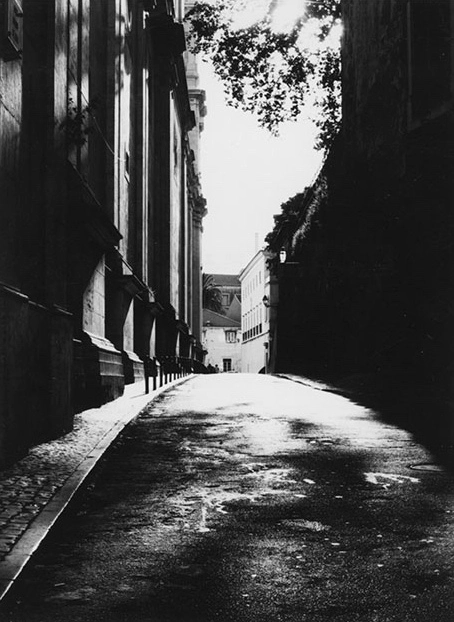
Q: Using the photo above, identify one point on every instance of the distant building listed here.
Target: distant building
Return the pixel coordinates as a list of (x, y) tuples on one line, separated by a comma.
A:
[(222, 340), (230, 288), (257, 314), (222, 331)]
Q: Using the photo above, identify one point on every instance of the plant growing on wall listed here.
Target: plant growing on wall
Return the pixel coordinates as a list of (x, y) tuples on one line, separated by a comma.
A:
[(77, 123)]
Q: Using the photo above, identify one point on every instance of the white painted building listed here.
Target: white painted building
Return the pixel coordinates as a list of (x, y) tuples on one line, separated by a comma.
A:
[(255, 316), (222, 341)]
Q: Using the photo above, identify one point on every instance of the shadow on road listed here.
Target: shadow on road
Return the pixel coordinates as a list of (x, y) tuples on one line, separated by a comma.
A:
[(181, 524), (398, 400)]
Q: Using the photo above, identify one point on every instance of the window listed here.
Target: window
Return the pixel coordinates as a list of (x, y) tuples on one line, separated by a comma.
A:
[(225, 300), (230, 336), (227, 364)]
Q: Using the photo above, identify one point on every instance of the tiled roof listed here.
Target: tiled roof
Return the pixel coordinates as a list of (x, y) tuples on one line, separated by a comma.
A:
[(226, 280), (234, 311), (211, 318)]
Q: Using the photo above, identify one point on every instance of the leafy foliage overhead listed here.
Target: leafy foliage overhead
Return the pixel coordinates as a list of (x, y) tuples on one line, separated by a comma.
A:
[(271, 72)]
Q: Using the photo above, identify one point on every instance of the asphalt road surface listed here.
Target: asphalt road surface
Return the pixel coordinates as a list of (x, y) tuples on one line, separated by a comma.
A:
[(250, 498)]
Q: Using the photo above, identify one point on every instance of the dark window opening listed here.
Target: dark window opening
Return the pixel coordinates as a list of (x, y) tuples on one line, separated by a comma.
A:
[(230, 336)]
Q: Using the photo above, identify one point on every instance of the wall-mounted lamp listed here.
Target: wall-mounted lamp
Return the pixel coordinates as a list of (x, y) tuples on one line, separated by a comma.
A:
[(266, 301), (282, 255)]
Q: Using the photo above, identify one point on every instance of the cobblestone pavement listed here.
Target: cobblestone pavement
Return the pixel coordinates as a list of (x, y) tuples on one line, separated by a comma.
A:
[(28, 486)]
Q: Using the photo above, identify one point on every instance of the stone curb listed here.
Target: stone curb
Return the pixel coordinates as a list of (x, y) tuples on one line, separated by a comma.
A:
[(312, 384), (16, 560), (318, 386)]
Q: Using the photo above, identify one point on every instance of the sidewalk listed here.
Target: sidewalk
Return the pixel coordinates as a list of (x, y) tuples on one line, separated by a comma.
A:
[(36, 490)]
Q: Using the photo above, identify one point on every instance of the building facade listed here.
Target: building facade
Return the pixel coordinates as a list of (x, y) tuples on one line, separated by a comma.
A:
[(101, 210), (230, 290), (222, 342), (257, 314), (222, 330)]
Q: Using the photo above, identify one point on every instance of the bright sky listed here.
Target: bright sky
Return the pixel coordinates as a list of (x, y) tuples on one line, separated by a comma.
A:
[(246, 172), (246, 175)]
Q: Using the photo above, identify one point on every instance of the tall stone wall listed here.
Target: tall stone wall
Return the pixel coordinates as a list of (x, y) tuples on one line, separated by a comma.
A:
[(369, 294)]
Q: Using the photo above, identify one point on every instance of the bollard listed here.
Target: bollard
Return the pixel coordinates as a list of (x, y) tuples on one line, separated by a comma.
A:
[(146, 371)]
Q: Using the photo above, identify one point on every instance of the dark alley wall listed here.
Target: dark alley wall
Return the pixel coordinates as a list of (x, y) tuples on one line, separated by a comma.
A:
[(368, 284)]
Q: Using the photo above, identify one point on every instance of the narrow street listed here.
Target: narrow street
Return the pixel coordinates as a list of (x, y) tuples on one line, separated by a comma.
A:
[(251, 498)]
